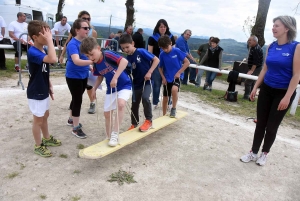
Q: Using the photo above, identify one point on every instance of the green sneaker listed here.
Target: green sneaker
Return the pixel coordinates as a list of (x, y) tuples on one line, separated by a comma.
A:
[(52, 142), (42, 150)]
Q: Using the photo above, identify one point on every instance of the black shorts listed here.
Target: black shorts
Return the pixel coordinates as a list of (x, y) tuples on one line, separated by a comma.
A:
[(54, 42), (168, 87)]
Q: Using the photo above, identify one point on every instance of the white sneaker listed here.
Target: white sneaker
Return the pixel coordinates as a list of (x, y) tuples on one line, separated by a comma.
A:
[(262, 159), (249, 157), (154, 107), (114, 139)]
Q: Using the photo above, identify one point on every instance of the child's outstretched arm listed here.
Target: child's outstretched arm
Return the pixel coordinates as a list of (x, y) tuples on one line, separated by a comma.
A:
[(155, 62), (96, 85), (185, 64), (51, 56), (122, 65)]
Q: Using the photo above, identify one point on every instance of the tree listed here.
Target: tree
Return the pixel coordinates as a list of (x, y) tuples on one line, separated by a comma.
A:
[(129, 13), (260, 22)]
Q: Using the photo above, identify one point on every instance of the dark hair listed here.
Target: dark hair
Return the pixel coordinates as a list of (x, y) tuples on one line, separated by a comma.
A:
[(76, 25), (120, 31), (215, 40), (125, 38), (64, 17), (211, 38), (140, 30), (88, 44), (35, 27), (83, 12), (19, 14), (164, 41), (164, 22)]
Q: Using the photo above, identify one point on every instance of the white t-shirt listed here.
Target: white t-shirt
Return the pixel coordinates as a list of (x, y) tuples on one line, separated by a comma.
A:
[(61, 29), (2, 24), (18, 28)]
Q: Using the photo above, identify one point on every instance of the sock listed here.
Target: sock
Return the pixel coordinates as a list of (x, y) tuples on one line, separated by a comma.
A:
[(16, 65)]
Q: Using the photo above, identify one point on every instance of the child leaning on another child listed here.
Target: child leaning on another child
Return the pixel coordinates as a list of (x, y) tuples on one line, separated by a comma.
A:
[(143, 64), (117, 81), (39, 85), (172, 63)]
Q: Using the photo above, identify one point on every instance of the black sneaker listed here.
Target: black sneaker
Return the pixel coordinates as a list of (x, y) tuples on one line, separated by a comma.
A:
[(193, 82), (79, 133)]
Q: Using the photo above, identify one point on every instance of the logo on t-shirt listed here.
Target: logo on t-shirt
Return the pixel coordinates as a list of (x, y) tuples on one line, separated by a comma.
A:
[(175, 56), (277, 48), (138, 59), (285, 54), (44, 68)]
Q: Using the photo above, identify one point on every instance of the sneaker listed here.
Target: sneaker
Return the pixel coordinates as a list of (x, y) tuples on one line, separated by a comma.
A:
[(132, 127), (26, 67), (51, 142), (193, 81), (92, 109), (42, 150), (17, 68), (249, 157), (173, 113), (205, 87), (79, 133), (262, 159), (70, 123), (154, 107), (146, 126), (3, 68), (114, 139)]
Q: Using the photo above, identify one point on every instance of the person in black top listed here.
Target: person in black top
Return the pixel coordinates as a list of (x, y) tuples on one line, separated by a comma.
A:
[(255, 62), (138, 39)]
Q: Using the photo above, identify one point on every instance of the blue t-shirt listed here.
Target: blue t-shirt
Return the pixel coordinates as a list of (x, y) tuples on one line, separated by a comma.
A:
[(72, 70), (103, 68), (38, 85), (171, 63), (181, 43), (280, 65), (141, 61)]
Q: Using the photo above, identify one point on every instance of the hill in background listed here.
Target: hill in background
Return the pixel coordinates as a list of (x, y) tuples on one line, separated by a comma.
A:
[(233, 50)]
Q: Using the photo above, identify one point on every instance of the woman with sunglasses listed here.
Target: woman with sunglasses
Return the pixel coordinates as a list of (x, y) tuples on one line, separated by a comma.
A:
[(92, 33), (77, 72)]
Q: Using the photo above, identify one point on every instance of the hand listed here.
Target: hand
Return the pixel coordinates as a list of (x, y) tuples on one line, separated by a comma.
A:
[(253, 94), (177, 76), (113, 83), (61, 59), (249, 72), (91, 68), (47, 35), (284, 103), (51, 92), (59, 47), (148, 76), (164, 81)]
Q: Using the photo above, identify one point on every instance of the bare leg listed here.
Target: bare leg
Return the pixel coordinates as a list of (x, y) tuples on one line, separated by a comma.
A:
[(121, 111), (44, 126), (174, 96), (165, 104), (108, 122), (75, 121), (89, 92), (17, 60), (36, 129)]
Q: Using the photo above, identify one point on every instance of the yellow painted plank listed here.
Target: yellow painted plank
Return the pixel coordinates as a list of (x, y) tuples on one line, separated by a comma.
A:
[(102, 148)]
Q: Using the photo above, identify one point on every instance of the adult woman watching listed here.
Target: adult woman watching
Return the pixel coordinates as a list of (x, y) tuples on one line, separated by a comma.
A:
[(77, 72), (278, 81), (160, 29)]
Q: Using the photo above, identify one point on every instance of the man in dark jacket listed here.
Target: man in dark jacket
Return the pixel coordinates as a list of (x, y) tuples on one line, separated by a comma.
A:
[(138, 39)]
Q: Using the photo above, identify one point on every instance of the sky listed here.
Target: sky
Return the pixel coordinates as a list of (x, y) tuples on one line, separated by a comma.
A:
[(219, 18)]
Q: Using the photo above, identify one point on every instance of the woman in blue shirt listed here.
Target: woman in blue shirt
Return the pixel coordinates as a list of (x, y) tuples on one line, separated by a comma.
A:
[(278, 81)]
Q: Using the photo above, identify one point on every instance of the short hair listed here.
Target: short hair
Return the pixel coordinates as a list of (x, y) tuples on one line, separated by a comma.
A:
[(35, 27), (77, 25), (290, 23), (19, 14), (120, 31), (187, 31), (210, 38), (125, 38), (164, 41), (254, 38), (215, 40), (140, 30), (88, 44), (64, 17)]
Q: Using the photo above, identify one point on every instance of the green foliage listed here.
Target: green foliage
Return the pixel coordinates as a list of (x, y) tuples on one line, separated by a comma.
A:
[(80, 146), (248, 25), (12, 175), (122, 176), (43, 196), (10, 65), (63, 155)]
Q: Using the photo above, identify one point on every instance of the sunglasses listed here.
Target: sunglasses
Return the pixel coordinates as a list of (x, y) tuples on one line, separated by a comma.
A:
[(86, 18), (85, 28)]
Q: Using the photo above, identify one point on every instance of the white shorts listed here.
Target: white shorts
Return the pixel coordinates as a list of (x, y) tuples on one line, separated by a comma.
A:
[(92, 80), (110, 99), (39, 107)]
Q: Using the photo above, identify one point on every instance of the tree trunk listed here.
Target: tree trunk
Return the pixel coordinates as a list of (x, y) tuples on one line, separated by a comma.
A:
[(129, 13), (60, 7), (260, 23)]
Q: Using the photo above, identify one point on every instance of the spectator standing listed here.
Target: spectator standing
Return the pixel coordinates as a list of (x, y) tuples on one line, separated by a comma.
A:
[(255, 62), (161, 28), (129, 30), (60, 28), (2, 53), (278, 81), (213, 59), (138, 39), (107, 42), (201, 52), (181, 43), (15, 29)]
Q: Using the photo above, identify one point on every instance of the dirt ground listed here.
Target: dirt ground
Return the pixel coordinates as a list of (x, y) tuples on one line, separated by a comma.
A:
[(196, 158)]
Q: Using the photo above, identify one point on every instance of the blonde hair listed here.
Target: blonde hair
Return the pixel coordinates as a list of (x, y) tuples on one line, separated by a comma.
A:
[(289, 23)]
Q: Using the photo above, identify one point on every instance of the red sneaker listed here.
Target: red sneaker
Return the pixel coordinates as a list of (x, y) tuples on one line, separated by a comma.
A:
[(131, 127), (146, 126), (17, 68)]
